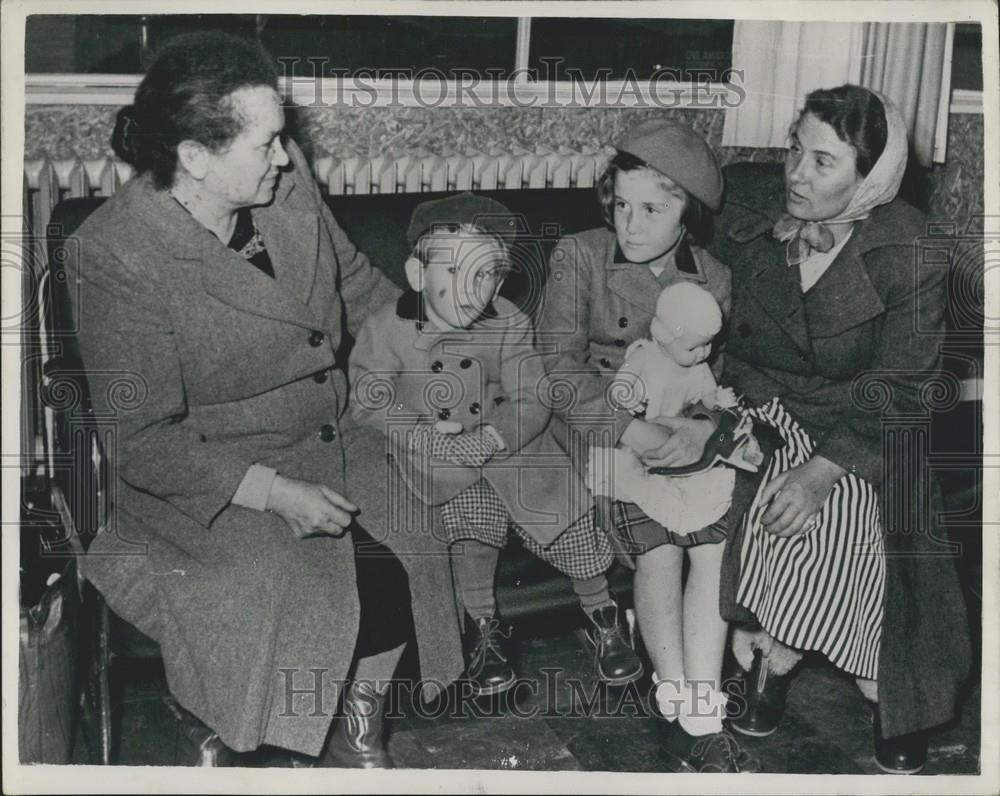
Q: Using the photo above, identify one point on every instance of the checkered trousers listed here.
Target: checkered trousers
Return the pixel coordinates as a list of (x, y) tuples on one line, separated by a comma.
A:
[(582, 551)]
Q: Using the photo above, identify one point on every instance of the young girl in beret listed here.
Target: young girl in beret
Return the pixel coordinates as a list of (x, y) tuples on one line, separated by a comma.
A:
[(656, 194)]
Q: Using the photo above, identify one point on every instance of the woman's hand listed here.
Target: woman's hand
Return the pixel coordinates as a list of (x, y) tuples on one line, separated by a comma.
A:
[(309, 509), (684, 445), (797, 495)]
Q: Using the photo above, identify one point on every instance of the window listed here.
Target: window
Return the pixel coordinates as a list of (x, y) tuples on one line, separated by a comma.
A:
[(967, 57), (591, 49), (114, 44), (617, 49)]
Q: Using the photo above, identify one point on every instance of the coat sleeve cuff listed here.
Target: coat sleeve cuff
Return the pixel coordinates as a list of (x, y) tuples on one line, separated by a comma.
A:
[(255, 488), (493, 433), (853, 453)]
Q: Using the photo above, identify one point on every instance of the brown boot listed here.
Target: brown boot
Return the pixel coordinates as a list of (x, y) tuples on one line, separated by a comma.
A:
[(357, 739)]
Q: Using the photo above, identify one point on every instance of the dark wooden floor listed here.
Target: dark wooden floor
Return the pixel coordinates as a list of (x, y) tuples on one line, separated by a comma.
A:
[(827, 728)]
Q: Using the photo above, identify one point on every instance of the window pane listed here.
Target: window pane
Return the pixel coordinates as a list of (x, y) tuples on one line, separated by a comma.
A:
[(617, 48), (371, 43), (112, 43), (967, 57), (123, 44)]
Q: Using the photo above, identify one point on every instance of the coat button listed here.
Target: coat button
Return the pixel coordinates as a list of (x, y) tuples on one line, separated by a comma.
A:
[(444, 414), (327, 433), (605, 362), (474, 408), (320, 377), (623, 322), (620, 343), (437, 366), (316, 338), (465, 364)]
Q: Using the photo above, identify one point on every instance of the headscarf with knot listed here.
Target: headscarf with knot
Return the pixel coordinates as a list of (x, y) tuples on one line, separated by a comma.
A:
[(879, 187)]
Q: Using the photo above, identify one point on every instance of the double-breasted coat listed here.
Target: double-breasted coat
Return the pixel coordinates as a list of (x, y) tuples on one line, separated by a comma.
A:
[(856, 360), (200, 366), (405, 372), (596, 304)]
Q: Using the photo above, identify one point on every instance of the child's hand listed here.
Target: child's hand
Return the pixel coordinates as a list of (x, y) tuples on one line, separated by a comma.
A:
[(471, 448), (725, 398), (683, 446), (448, 427)]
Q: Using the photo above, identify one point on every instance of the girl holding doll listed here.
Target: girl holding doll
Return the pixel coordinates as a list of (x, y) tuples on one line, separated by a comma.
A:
[(656, 194)]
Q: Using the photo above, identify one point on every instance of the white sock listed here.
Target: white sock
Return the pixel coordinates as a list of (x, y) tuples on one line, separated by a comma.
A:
[(671, 697), (704, 709)]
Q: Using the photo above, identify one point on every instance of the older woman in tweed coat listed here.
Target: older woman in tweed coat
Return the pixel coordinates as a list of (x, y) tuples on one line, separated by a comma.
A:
[(239, 472)]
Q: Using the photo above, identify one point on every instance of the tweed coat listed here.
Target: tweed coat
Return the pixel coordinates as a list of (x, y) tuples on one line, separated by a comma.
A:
[(202, 365), (849, 359), (596, 304), (404, 372)]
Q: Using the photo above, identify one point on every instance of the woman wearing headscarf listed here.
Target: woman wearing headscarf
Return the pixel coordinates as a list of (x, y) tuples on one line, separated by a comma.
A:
[(215, 289), (835, 329)]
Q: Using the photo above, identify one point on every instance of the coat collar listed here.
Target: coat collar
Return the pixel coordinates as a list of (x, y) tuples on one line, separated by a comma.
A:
[(684, 260), (841, 299), (410, 308), (779, 291), (844, 296), (636, 283), (291, 237)]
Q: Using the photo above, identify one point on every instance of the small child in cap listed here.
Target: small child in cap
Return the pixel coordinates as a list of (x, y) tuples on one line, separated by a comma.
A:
[(451, 376), (657, 195)]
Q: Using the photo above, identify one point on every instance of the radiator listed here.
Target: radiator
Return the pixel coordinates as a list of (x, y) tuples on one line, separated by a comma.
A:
[(48, 181)]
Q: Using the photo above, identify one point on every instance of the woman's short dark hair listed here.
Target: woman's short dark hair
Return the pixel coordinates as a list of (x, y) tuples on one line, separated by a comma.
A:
[(697, 218), (183, 97), (858, 118)]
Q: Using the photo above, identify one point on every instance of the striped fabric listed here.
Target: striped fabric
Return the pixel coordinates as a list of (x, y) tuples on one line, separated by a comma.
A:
[(821, 590)]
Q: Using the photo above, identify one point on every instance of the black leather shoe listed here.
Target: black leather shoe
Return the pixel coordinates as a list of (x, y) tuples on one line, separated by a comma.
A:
[(718, 753), (901, 754), (487, 666), (211, 752), (764, 695), (614, 658), (357, 738)]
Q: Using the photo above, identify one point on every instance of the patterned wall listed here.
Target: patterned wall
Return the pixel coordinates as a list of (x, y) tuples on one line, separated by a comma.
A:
[(953, 190)]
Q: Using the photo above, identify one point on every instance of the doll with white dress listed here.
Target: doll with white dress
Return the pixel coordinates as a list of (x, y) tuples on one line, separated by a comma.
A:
[(661, 377)]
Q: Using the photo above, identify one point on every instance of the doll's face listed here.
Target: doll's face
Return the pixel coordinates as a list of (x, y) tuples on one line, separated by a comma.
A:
[(648, 209), (461, 274), (687, 349)]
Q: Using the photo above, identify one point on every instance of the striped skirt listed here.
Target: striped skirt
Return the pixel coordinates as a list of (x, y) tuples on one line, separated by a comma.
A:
[(822, 589)]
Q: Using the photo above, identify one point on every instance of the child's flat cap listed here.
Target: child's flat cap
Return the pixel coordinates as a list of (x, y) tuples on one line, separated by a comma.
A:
[(463, 208)]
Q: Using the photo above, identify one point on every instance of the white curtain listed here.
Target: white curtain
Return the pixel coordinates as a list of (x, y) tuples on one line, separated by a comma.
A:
[(911, 63), (784, 61), (781, 63)]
